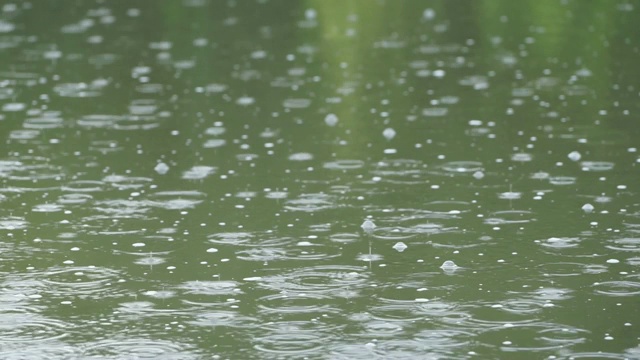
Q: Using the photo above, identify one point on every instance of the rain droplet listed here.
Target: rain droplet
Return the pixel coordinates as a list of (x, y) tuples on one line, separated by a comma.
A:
[(389, 133), (400, 246), (449, 265), (574, 156), (478, 175), (587, 208), (368, 225), (331, 119), (161, 168)]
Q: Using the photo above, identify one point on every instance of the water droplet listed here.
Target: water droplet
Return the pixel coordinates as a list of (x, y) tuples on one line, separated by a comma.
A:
[(368, 225), (400, 246), (389, 133), (478, 175), (574, 156), (161, 168), (449, 265), (331, 119), (587, 208)]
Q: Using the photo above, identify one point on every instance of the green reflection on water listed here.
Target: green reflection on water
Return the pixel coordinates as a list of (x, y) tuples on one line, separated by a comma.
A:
[(246, 241)]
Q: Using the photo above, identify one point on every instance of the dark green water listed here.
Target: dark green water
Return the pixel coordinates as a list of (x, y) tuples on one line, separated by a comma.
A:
[(188, 179)]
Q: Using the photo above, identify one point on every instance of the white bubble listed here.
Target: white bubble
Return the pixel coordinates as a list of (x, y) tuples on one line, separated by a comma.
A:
[(587, 208), (161, 168), (400, 246), (368, 225), (574, 156), (331, 119), (449, 265), (389, 133)]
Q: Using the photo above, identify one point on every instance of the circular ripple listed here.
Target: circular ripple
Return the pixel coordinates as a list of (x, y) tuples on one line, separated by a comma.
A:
[(82, 186), (596, 165), (618, 288), (132, 348), (326, 279), (176, 200), (510, 217), (22, 326), (293, 303), (311, 202), (625, 244), (462, 166), (294, 338), (82, 281), (344, 164), (560, 243), (230, 238)]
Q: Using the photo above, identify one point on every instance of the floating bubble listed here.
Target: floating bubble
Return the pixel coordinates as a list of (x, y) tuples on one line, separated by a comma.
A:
[(368, 225), (389, 133), (587, 208), (574, 156), (449, 265), (161, 168), (400, 246), (331, 119)]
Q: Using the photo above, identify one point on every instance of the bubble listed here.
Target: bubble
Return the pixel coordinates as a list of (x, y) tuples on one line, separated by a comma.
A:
[(331, 119), (400, 246), (574, 156), (161, 168), (449, 265), (587, 208), (389, 133), (368, 225)]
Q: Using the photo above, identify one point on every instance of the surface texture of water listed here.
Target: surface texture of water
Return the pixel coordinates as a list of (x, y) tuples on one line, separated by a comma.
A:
[(188, 179)]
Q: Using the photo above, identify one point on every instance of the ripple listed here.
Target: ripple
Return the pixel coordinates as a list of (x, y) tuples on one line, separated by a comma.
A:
[(294, 338), (625, 244), (136, 348), (176, 200), (230, 238), (296, 103), (596, 165), (331, 280), (344, 164), (44, 122), (86, 282), (301, 157), (296, 303), (99, 121), (562, 180), (84, 186), (560, 243), (127, 182), (532, 336), (13, 223), (618, 288), (311, 202), (210, 287), (510, 217), (462, 166), (21, 326), (198, 172)]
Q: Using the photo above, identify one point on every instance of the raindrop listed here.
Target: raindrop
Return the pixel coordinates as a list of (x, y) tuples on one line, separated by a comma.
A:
[(449, 265), (389, 133), (587, 208), (478, 175), (400, 246), (574, 156), (368, 225), (161, 168), (331, 119)]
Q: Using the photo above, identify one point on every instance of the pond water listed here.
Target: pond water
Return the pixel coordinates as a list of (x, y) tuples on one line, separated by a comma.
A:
[(319, 179)]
